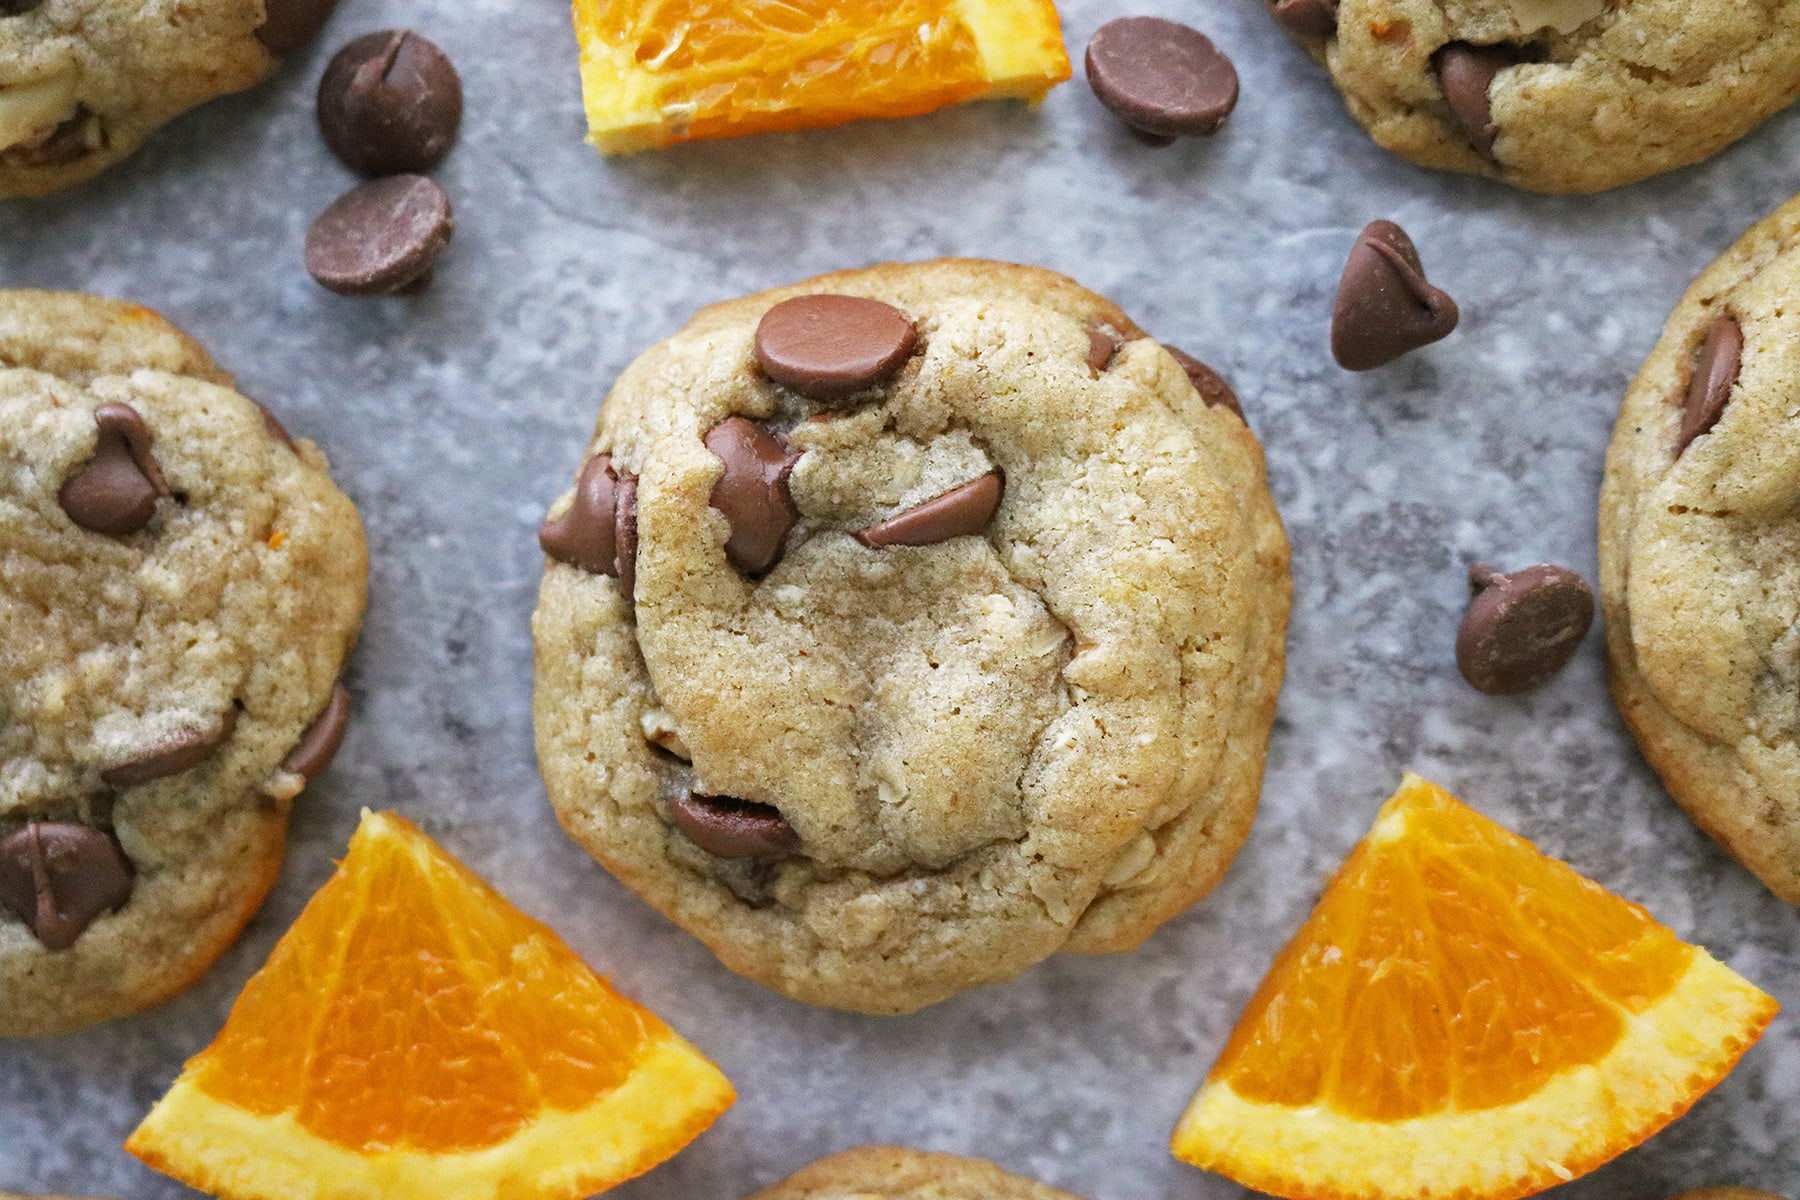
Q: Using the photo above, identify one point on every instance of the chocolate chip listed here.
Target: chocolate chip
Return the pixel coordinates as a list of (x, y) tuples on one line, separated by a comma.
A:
[(290, 24), (115, 491), (319, 744), (75, 137), (583, 535), (964, 509), (389, 103), (1307, 18), (1102, 345), (1160, 77), (18, 8), (1214, 391), (1466, 73), (378, 238), (828, 347), (58, 876), (732, 828), (183, 752), (1521, 628), (625, 535), (752, 492), (1715, 373), (1385, 308)]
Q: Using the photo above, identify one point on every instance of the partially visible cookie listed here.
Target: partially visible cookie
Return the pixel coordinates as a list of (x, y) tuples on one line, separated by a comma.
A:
[(1555, 95), (84, 82), (891, 1173), (180, 582), (1700, 552), (909, 625)]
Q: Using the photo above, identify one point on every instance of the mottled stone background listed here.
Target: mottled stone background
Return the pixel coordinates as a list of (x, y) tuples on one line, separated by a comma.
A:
[(453, 419)]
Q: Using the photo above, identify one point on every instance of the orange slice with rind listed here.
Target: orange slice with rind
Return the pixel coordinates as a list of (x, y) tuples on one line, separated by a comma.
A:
[(657, 72), (1463, 1018), (416, 1037)]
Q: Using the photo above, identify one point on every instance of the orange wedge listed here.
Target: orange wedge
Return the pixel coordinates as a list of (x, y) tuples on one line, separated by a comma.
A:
[(655, 72), (1462, 1017), (416, 1037)]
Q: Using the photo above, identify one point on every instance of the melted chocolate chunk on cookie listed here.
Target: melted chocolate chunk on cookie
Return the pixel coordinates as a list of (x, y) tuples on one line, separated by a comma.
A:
[(585, 534), (829, 347), (1161, 78), (752, 492), (75, 137), (58, 876), (183, 752), (1306, 18), (1214, 391), (1385, 307), (1103, 344), (1715, 374), (289, 24), (18, 8), (319, 744), (1466, 72), (390, 102), (963, 510), (732, 828), (1522, 627), (625, 535), (115, 491)]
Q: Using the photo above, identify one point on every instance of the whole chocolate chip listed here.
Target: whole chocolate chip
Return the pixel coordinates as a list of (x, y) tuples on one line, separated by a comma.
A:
[(732, 828), (290, 24), (1522, 627), (1307, 18), (1213, 389), (1160, 77), (58, 876), (389, 103), (1715, 373), (752, 492), (319, 744), (964, 509), (380, 237), (1102, 345), (828, 347), (625, 535), (183, 752), (583, 536), (1385, 308), (1466, 73), (115, 491)]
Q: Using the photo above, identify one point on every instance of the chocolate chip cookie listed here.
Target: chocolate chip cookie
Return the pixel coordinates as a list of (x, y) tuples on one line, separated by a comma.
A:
[(84, 82), (909, 625), (1554, 95), (1700, 553), (891, 1173), (180, 582)]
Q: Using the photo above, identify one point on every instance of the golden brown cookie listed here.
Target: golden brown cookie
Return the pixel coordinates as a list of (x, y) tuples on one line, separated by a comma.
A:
[(909, 625), (180, 583), (1700, 552), (1555, 95), (891, 1173)]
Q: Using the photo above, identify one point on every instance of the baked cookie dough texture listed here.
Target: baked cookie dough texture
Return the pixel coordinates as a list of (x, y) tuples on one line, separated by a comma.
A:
[(84, 82), (1003, 689), (1700, 552), (889, 1173), (1585, 94), (167, 686)]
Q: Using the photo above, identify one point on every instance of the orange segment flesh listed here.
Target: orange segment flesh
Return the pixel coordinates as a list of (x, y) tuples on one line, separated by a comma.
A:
[(664, 71), (1463, 1017), (414, 1034)]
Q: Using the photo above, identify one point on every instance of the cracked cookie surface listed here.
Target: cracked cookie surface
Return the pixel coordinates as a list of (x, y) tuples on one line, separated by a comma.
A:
[(166, 687), (1555, 95), (892, 1173), (918, 684), (1700, 553), (84, 82)]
